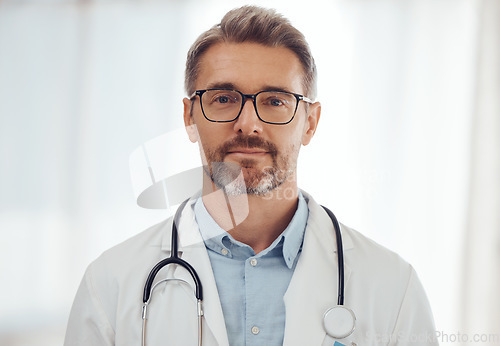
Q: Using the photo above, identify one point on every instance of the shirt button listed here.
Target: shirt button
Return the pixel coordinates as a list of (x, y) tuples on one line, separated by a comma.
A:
[(255, 330), (253, 263), (224, 252)]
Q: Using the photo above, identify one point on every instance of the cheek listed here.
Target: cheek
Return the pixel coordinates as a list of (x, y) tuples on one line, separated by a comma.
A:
[(210, 137), (295, 137), (290, 148)]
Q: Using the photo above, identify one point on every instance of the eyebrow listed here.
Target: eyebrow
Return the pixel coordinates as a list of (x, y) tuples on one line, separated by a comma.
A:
[(228, 85), (223, 85), (275, 88)]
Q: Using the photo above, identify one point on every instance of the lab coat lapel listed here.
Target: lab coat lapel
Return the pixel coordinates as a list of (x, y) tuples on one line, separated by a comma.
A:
[(314, 285), (192, 249)]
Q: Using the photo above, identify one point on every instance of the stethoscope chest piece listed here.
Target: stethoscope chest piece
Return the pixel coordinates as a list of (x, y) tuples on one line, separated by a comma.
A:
[(339, 322)]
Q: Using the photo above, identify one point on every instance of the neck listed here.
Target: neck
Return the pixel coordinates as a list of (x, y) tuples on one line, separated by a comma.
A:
[(256, 220)]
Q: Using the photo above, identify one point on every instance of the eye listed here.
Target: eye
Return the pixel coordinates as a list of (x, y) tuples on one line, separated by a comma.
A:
[(276, 102), (222, 98)]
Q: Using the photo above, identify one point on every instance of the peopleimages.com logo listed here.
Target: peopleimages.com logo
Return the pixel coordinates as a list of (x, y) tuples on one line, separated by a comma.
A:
[(440, 336)]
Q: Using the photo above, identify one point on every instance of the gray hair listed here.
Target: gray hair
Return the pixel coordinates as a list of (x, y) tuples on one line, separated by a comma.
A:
[(253, 24)]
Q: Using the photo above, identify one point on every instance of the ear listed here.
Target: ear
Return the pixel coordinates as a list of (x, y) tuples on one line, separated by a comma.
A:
[(311, 124), (189, 121)]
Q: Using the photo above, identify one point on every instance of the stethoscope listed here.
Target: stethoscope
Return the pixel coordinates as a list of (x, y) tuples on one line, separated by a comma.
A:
[(339, 321)]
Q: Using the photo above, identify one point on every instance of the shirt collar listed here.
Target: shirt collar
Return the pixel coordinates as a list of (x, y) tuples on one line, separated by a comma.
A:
[(291, 238)]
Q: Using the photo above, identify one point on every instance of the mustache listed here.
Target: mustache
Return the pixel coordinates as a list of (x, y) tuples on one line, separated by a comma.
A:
[(248, 142)]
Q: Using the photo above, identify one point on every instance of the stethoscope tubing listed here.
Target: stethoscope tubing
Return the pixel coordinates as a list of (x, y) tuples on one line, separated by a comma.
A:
[(175, 259), (340, 255)]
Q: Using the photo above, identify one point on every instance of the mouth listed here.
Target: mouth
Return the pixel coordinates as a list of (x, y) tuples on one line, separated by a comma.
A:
[(247, 151)]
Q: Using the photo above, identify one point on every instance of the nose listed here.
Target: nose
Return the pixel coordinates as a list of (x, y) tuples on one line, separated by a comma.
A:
[(248, 122)]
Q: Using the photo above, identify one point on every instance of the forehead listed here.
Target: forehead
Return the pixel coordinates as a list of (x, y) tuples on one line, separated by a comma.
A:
[(250, 67)]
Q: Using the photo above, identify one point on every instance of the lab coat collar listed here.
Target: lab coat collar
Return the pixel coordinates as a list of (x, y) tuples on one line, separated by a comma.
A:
[(194, 237), (319, 219)]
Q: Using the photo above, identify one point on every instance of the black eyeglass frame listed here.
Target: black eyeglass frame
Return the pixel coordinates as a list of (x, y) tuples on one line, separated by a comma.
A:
[(244, 98)]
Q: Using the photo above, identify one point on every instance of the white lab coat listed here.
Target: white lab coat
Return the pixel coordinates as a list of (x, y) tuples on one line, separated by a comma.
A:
[(383, 290)]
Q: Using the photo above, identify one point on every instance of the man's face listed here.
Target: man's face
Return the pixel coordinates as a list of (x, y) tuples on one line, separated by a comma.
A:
[(265, 153)]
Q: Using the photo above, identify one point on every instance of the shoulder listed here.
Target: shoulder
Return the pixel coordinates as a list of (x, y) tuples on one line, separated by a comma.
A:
[(389, 287), (386, 278), (368, 262), (126, 265), (378, 281), (357, 247), (114, 281), (370, 251), (133, 252)]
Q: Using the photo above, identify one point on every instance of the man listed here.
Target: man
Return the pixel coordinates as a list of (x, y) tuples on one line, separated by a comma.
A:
[(265, 252)]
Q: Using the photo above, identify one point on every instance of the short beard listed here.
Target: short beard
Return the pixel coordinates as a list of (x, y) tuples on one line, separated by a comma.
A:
[(233, 183), (245, 179)]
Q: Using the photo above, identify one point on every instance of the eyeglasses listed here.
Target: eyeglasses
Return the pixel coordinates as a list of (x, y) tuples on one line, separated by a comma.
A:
[(272, 107)]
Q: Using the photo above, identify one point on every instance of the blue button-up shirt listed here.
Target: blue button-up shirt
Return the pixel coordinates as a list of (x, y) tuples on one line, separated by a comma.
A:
[(251, 287)]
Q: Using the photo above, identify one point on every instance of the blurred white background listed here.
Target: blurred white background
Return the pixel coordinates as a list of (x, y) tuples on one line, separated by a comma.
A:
[(407, 152)]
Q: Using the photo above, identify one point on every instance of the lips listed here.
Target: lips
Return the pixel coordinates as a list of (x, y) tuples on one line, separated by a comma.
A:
[(247, 151), (245, 147)]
